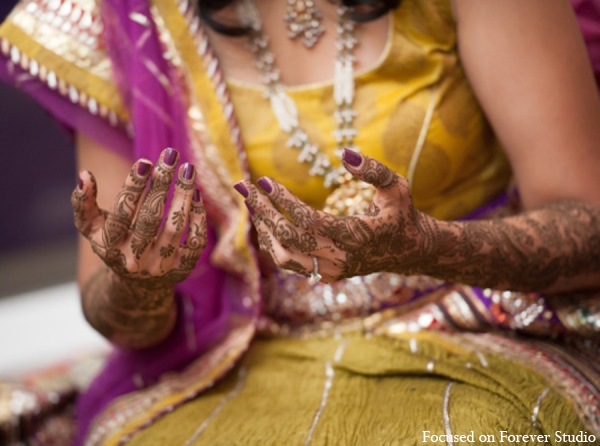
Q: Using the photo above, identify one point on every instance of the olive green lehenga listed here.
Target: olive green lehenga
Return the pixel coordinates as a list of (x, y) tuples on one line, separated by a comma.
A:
[(361, 390)]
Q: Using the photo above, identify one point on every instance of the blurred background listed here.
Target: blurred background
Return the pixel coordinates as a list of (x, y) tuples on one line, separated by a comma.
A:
[(40, 317), (37, 241)]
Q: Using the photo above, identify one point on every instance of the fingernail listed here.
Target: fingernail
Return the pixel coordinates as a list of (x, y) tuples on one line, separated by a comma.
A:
[(170, 157), (265, 185), (242, 189), (143, 168), (79, 183), (188, 171), (352, 158), (196, 196), (250, 208)]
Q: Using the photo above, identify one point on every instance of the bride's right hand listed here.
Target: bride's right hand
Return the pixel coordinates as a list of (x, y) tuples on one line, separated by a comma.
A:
[(129, 238)]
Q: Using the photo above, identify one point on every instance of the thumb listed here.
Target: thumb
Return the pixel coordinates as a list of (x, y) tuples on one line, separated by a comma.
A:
[(88, 216), (371, 171)]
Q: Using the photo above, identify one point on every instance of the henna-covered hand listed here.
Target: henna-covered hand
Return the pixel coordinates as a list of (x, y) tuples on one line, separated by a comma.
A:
[(381, 240), (131, 301), (555, 248)]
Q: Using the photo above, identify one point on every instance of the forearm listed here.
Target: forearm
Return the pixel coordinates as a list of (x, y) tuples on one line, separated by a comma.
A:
[(126, 313), (551, 249)]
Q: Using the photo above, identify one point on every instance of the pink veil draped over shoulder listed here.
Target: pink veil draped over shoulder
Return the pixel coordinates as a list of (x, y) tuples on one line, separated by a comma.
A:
[(588, 16), (154, 98)]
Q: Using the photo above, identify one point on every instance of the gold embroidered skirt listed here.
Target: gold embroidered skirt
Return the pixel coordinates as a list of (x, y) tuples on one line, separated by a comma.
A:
[(359, 389)]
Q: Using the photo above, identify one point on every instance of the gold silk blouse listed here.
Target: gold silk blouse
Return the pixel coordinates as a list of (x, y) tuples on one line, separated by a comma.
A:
[(457, 166)]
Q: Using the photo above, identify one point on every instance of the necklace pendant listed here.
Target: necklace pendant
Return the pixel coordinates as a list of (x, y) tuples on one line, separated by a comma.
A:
[(303, 20)]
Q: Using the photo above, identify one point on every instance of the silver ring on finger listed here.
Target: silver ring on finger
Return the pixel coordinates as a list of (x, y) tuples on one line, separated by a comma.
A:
[(315, 277)]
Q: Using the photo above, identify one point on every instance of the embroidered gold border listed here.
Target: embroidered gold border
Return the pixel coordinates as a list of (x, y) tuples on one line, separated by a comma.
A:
[(211, 106), (103, 92), (197, 377), (174, 389), (233, 247)]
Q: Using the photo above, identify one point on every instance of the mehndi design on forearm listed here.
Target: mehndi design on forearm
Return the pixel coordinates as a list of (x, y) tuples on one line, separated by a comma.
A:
[(539, 250), (137, 310), (554, 248)]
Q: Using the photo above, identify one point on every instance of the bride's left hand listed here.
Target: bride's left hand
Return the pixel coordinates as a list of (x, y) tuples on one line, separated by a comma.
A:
[(391, 236)]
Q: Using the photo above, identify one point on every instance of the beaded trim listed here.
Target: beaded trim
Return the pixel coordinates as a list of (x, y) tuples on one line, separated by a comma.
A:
[(69, 18), (53, 82)]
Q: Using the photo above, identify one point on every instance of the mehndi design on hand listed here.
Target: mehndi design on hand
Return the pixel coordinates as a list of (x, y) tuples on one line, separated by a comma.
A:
[(344, 246), (151, 212), (552, 248), (129, 300)]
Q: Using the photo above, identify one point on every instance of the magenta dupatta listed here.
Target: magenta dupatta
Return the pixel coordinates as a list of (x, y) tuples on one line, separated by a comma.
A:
[(157, 121), (588, 16), (204, 300)]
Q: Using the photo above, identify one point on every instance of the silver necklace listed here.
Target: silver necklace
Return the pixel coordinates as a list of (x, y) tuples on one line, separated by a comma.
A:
[(284, 107)]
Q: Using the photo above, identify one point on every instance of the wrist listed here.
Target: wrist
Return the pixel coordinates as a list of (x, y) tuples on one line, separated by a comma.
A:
[(140, 283), (126, 313)]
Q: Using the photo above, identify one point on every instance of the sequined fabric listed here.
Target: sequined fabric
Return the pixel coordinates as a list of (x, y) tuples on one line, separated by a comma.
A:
[(39, 409), (296, 305), (60, 43)]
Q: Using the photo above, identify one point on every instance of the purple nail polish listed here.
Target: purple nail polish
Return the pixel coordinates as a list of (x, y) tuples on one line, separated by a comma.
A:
[(196, 196), (265, 185), (250, 208), (242, 189), (170, 157), (143, 168), (188, 171), (79, 183), (352, 158)]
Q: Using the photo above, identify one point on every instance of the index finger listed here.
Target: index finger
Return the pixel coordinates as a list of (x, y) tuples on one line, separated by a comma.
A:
[(301, 214), (118, 220)]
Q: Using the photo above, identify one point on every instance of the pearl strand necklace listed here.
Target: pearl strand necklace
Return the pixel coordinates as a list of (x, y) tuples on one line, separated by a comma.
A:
[(284, 107)]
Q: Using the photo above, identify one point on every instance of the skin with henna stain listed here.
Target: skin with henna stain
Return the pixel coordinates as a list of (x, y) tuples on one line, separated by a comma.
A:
[(131, 300), (553, 248)]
